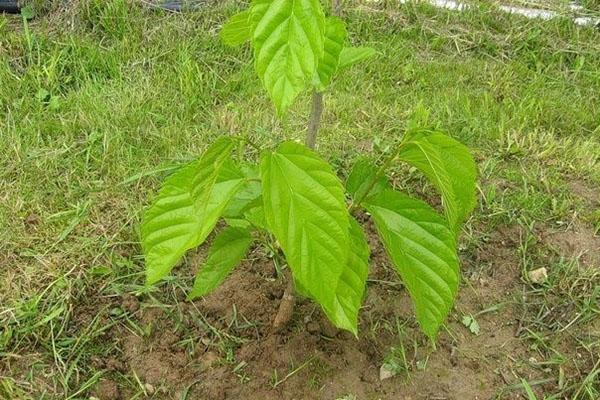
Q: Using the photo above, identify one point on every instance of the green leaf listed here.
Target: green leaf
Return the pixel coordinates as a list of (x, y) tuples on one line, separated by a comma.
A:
[(351, 287), (237, 30), (305, 210), (288, 41), (449, 166), (470, 322), (248, 196), (228, 249), (256, 216), (28, 13), (335, 37), (187, 209), (353, 55), (528, 389), (362, 179), (423, 249), (237, 222)]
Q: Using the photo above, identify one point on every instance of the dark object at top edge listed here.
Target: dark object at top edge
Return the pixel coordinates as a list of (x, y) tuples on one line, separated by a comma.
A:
[(9, 6), (12, 6), (178, 5)]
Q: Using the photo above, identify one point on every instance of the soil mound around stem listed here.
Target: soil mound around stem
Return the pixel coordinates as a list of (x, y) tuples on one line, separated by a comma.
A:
[(222, 346)]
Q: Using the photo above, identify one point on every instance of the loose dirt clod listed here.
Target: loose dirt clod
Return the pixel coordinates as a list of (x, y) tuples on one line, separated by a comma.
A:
[(538, 276), (328, 329), (130, 303), (209, 359), (107, 390)]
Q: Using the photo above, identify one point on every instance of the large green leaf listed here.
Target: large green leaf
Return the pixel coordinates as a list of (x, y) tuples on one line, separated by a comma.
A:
[(351, 287), (287, 38), (449, 166), (226, 252), (186, 209), (353, 55), (423, 249), (335, 37), (237, 30), (305, 210)]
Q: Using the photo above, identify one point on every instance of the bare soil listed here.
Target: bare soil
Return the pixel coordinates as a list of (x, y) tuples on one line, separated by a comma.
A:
[(578, 242), (222, 346)]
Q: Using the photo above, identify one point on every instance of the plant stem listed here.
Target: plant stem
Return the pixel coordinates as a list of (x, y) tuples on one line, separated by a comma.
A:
[(316, 111), (286, 307), (315, 119), (336, 7)]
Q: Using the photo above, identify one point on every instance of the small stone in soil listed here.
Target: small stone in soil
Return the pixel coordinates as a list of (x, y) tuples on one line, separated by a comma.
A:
[(385, 372), (538, 276), (149, 389), (327, 329)]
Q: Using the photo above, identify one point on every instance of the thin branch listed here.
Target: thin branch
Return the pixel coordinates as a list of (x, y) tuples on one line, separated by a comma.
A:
[(315, 119), (336, 7), (316, 111)]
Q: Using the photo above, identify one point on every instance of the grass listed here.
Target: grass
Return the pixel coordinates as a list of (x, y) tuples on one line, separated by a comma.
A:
[(95, 115)]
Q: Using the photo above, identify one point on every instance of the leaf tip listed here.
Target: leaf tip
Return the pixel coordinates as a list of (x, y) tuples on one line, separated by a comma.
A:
[(431, 332)]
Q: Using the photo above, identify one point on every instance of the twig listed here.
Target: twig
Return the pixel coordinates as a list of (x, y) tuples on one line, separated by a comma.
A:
[(336, 7), (285, 378), (315, 119)]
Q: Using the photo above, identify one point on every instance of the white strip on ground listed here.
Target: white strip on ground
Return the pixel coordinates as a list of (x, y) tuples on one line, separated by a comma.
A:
[(526, 12)]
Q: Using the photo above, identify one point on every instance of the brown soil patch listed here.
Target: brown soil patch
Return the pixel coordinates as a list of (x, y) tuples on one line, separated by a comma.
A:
[(585, 191), (576, 242), (107, 389), (221, 347)]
